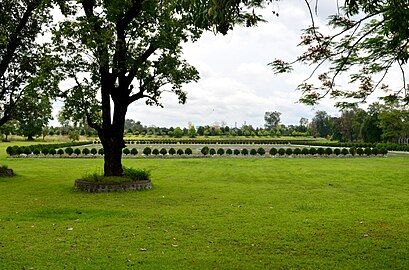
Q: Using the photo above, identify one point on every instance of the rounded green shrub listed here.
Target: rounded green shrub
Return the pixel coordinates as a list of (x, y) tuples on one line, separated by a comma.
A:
[(244, 152), (36, 151), (94, 151), (147, 151), (188, 151), (180, 152), (101, 151), (53, 151), (253, 152), (261, 151), (69, 151), (337, 151), (77, 151), (172, 151), (273, 151), (313, 151), (126, 151), (368, 151), (360, 151), (85, 151), (134, 151), (375, 151), (155, 152), (352, 151), (45, 151), (163, 151), (212, 152), (297, 151), (220, 151), (281, 151), (236, 152), (305, 151), (288, 151), (344, 151), (205, 150), (320, 151), (60, 152), (229, 151), (328, 151)]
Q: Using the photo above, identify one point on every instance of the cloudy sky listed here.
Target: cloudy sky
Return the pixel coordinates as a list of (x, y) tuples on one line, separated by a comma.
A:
[(236, 85)]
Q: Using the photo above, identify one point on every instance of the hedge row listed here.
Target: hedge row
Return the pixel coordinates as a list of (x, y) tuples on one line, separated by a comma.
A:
[(297, 151), (211, 151), (42, 148), (388, 146)]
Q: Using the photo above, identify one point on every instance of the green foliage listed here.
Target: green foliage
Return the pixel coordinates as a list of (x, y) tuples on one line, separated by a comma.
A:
[(147, 151), (305, 151), (85, 151), (59, 151), (344, 151), (236, 152), (261, 151), (229, 152), (368, 151), (253, 152), (289, 151), (178, 132), (180, 152), (45, 151), (212, 152), (313, 151), (297, 151), (77, 151), (134, 151), (205, 150), (220, 151), (37, 151), (94, 151), (188, 151), (328, 151), (244, 152), (53, 151), (360, 151), (281, 151), (155, 152), (101, 151), (69, 151), (320, 151), (136, 174), (273, 151), (163, 151), (126, 151), (172, 151), (337, 151), (352, 151)]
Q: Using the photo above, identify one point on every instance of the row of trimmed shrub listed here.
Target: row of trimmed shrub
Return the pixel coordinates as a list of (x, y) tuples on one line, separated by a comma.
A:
[(297, 151), (40, 148), (207, 141), (387, 146), (211, 151)]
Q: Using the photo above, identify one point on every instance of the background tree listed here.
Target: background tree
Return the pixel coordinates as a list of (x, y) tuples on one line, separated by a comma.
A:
[(321, 124), (34, 113), (369, 39), (25, 63), (272, 120), (136, 53), (10, 127)]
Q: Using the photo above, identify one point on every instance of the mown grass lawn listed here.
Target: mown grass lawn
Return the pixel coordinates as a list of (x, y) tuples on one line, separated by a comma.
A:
[(209, 213)]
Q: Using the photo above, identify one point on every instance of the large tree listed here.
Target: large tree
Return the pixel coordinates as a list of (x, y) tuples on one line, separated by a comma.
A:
[(118, 52), (25, 63), (369, 39)]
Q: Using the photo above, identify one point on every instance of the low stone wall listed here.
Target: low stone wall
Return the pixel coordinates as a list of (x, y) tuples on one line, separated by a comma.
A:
[(109, 187)]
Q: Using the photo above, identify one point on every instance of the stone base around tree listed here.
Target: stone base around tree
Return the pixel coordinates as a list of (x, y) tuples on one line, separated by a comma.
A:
[(95, 187)]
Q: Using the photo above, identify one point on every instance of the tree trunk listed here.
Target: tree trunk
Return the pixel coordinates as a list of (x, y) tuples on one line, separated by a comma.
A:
[(112, 139), (113, 155)]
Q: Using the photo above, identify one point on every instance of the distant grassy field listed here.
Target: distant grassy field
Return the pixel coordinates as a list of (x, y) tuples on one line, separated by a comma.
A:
[(209, 213)]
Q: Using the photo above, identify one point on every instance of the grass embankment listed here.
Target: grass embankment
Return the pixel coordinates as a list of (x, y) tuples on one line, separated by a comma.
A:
[(209, 213)]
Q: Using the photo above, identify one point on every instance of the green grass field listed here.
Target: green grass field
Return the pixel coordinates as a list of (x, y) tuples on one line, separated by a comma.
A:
[(209, 213)]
